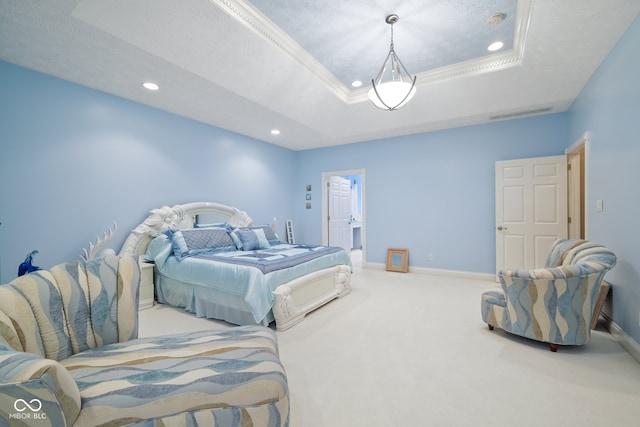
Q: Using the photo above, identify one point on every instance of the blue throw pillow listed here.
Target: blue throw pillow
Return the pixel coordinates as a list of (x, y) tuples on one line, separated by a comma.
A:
[(250, 239), (215, 225), (268, 232), (192, 241)]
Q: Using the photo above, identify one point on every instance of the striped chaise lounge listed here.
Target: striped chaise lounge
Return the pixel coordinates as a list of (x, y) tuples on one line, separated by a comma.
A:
[(69, 357), (555, 304)]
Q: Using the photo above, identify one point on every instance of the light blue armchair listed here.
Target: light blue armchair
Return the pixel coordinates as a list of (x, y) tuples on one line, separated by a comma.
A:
[(554, 304)]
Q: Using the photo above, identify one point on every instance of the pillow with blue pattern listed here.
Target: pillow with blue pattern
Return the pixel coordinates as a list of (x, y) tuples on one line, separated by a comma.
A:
[(249, 239), (271, 236), (268, 232), (193, 241)]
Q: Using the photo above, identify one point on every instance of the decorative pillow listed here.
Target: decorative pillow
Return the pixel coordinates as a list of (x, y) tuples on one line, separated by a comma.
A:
[(216, 225), (268, 232), (192, 241), (249, 239)]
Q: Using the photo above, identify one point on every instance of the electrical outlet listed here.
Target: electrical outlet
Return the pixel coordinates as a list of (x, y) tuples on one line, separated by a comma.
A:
[(430, 257)]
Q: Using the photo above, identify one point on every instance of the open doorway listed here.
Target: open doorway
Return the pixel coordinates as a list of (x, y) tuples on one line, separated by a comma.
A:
[(343, 212), (576, 185)]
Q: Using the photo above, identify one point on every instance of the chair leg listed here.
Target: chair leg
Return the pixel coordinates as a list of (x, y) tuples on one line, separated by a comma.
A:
[(553, 347), (490, 327), (597, 308)]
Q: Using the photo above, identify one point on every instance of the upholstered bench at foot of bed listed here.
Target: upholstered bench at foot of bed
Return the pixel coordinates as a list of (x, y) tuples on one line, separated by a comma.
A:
[(232, 377)]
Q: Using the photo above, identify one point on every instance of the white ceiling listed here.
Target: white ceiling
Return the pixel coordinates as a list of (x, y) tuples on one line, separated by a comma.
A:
[(250, 68)]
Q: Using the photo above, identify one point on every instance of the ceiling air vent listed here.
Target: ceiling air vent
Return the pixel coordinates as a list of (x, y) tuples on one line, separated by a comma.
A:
[(521, 113)]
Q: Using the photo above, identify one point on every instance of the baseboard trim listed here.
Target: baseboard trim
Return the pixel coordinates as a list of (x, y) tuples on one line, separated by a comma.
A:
[(440, 272), (622, 337)]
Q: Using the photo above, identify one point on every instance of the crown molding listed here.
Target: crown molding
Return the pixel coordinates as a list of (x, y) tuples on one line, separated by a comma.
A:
[(254, 20)]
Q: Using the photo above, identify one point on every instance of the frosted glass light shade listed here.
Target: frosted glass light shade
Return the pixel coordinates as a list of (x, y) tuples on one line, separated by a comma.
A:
[(393, 95)]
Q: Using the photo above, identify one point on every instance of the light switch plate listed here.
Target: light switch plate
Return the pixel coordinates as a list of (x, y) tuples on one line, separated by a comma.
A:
[(599, 206)]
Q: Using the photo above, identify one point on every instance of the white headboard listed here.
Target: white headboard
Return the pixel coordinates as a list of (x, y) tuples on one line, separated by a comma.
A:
[(176, 218)]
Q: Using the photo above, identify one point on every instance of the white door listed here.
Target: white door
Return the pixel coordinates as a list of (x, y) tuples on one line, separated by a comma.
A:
[(340, 233), (531, 210)]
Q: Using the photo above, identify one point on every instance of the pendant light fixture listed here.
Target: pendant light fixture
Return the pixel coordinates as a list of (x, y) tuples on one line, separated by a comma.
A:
[(393, 87)]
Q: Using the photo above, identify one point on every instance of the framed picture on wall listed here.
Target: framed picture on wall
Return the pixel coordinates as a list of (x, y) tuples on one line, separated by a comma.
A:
[(398, 260)]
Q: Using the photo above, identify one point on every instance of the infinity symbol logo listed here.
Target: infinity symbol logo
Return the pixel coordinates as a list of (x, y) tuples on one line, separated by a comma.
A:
[(21, 405)]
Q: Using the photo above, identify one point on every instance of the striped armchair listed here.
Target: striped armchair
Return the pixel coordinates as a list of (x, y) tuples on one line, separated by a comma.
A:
[(70, 356), (554, 304)]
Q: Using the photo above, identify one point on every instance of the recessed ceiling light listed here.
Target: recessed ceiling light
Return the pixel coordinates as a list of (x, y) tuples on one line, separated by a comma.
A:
[(275, 132), (356, 83), (496, 19), (495, 46), (150, 86)]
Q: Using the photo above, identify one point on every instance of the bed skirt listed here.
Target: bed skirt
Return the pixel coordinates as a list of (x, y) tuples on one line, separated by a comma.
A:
[(293, 300), (202, 301)]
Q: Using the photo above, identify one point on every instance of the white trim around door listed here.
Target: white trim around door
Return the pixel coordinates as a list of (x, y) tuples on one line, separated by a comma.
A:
[(583, 143)]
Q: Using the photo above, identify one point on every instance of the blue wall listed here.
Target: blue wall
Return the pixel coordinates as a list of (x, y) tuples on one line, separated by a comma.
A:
[(433, 193), (73, 160), (609, 107), (81, 159)]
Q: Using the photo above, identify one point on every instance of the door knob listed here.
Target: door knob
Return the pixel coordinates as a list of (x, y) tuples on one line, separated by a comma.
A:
[(500, 228)]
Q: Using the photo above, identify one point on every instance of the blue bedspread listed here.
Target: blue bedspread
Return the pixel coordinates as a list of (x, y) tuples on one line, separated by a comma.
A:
[(252, 275), (272, 259)]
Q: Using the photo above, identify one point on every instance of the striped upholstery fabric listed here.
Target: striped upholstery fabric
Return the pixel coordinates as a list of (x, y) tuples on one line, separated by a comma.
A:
[(74, 306), (215, 377), (552, 304), (69, 344), (25, 377)]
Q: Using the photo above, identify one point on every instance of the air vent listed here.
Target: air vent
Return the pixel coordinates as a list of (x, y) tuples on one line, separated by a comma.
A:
[(521, 113)]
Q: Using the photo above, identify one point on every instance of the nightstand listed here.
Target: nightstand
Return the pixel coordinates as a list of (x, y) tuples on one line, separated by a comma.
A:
[(146, 284)]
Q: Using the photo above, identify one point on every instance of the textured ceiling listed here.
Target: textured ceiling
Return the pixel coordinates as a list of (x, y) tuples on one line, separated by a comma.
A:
[(250, 68), (351, 38)]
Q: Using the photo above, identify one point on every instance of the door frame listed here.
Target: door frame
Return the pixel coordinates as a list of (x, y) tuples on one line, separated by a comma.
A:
[(583, 143), (325, 206)]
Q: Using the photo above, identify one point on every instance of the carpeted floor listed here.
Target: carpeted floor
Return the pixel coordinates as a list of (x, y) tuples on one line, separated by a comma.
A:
[(411, 350)]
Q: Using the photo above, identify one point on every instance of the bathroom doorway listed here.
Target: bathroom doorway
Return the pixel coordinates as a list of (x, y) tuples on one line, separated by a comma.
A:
[(343, 211)]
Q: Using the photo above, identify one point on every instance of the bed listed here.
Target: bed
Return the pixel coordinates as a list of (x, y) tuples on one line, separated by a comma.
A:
[(212, 260)]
